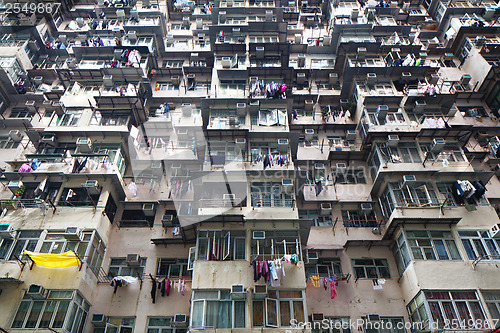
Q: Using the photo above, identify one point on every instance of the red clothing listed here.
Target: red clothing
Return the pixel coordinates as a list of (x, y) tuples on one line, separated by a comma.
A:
[(333, 290), (167, 287)]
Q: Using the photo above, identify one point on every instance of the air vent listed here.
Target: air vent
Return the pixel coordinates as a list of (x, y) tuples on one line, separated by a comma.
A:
[(258, 235)]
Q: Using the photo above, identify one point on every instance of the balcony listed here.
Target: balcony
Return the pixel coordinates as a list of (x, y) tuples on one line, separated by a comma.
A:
[(81, 24)]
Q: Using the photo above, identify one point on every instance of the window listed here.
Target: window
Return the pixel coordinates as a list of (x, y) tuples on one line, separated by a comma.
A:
[(451, 152), (55, 242), (314, 215), (492, 299), (167, 86), (277, 244), (119, 267), (7, 143), (216, 309), (279, 309), (424, 245), (386, 325), (62, 308), (405, 152), (221, 245), (70, 118), (163, 325), (26, 240), (335, 325), (172, 63), (349, 176), (418, 194), (371, 268), (270, 194), (458, 309), (117, 325), (359, 218), (480, 244), (78, 196), (325, 267), (172, 267), (136, 218)]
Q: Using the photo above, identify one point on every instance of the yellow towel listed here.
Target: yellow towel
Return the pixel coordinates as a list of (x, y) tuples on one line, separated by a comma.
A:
[(62, 260)]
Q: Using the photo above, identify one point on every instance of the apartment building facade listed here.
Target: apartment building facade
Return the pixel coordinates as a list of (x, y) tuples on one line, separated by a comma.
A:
[(249, 166)]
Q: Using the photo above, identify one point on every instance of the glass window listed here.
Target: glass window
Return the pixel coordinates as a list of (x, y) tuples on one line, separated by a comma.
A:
[(215, 309), (480, 244), (26, 240), (173, 267), (371, 268), (120, 267)]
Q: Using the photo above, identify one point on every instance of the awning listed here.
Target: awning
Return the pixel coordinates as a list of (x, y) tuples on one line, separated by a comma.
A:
[(324, 247), (62, 260)]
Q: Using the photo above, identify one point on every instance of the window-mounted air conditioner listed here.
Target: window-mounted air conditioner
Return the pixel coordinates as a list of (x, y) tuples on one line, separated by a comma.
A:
[(260, 291), (312, 256), (176, 166), (367, 207), (308, 105), (258, 235), (495, 231), (319, 166), (371, 78), (301, 78), (16, 187), (148, 209), (229, 196), (167, 220), (73, 234), (392, 140), (98, 320), (465, 79), (226, 62), (180, 320), (317, 317), (133, 260), (84, 145), (36, 291), (409, 180), (419, 106), (6, 231), (15, 135), (333, 78), (448, 56), (92, 187), (438, 145), (156, 165), (107, 81), (373, 317), (132, 36), (309, 134), (287, 185), (341, 166), (240, 142), (382, 111), (350, 135), (49, 139), (238, 291), (301, 60), (325, 209)]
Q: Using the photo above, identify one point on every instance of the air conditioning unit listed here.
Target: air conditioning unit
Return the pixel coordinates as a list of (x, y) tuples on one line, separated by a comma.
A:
[(238, 291), (382, 111), (434, 79), (98, 320), (71, 62), (438, 145), (333, 78), (156, 165), (240, 142), (366, 207), (419, 106), (448, 56), (371, 78), (327, 40), (187, 109), (258, 235), (180, 320), (319, 166), (229, 196), (15, 135), (495, 231), (254, 106), (269, 15), (92, 187), (283, 145), (260, 291), (58, 108), (170, 39), (182, 134), (16, 187), (185, 21), (370, 14), (148, 209), (133, 260), (326, 209), (287, 185), (309, 134), (406, 76), (167, 220), (301, 78), (392, 140), (317, 317), (354, 14), (222, 16), (199, 23), (107, 81), (84, 145), (73, 234), (350, 135), (298, 38), (259, 52), (132, 36), (361, 53), (465, 79), (312, 256), (176, 166), (489, 14), (373, 317), (409, 180), (301, 60), (226, 62), (80, 21), (49, 139), (308, 104), (341, 166), (241, 109), (36, 292), (6, 231)]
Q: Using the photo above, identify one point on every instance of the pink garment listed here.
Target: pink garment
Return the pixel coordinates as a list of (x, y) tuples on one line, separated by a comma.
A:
[(183, 287), (26, 167), (333, 290), (283, 88), (167, 287), (325, 283)]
